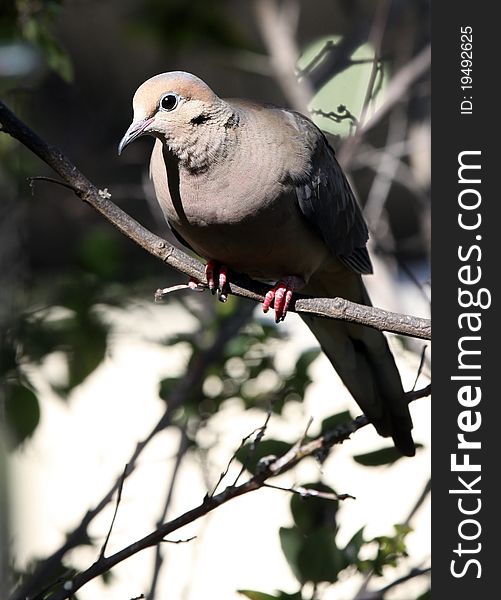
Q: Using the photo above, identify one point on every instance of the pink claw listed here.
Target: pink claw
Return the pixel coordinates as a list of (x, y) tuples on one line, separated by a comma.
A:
[(209, 274), (217, 278), (281, 294), (223, 277), (194, 284)]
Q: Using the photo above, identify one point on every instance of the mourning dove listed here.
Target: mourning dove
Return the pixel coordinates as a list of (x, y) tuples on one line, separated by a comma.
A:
[(258, 189)]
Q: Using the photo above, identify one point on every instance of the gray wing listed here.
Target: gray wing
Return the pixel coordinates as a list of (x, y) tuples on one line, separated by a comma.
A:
[(327, 201)]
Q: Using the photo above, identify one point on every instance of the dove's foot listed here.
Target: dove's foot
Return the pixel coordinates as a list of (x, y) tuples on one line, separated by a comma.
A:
[(216, 276), (281, 294)]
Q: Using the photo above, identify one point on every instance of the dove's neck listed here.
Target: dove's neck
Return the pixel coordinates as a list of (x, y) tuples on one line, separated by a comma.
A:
[(208, 139)]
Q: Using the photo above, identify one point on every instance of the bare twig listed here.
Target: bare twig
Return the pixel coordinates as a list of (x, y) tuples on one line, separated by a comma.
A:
[(310, 492), (385, 172), (159, 559), (160, 294), (190, 539), (400, 85), (397, 89), (341, 115), (277, 23), (232, 459), (31, 181), (412, 573), (380, 594), (117, 504), (257, 440), (327, 47), (421, 364), (417, 505), (376, 39)]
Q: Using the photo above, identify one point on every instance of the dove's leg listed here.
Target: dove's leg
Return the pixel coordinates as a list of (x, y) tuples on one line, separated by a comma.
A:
[(281, 294)]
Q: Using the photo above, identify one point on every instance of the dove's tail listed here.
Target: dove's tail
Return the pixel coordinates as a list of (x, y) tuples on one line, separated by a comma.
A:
[(363, 360)]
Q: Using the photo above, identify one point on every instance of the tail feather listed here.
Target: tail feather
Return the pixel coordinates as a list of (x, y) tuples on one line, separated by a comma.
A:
[(364, 361)]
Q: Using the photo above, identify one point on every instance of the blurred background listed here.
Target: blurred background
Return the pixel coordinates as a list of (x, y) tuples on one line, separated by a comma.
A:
[(94, 375)]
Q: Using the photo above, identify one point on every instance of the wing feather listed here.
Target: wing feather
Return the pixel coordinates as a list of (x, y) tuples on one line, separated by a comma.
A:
[(327, 201)]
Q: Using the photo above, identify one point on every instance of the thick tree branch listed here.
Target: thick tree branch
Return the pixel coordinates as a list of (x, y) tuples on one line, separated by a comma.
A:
[(265, 470), (336, 308)]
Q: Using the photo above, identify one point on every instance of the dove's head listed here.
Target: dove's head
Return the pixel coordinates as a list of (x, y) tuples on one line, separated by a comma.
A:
[(182, 111)]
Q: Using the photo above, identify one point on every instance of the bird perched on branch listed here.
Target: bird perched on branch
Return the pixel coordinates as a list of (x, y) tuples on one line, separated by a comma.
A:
[(258, 189)]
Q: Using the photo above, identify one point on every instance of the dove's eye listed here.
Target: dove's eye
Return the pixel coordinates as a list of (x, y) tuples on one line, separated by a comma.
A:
[(169, 101)]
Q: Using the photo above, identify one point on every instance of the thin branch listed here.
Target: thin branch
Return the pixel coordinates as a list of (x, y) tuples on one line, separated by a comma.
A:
[(400, 85), (341, 115), (190, 539), (252, 451), (421, 364), (31, 182), (159, 559), (271, 469), (376, 39), (241, 285), (310, 492), (117, 504), (277, 23), (412, 573), (305, 71), (380, 594), (397, 89), (385, 172), (417, 505), (233, 458)]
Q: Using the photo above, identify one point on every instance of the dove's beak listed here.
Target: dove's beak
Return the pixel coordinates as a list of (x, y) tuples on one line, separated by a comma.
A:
[(136, 129)]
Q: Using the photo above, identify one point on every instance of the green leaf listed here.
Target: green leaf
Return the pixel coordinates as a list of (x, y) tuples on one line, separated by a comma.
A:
[(336, 420), (352, 548), (99, 253), (22, 412), (36, 29), (390, 550), (250, 458), (291, 541), (88, 342), (179, 338), (253, 595), (305, 360), (300, 379), (166, 386), (8, 360), (319, 558), (383, 456), (310, 512)]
